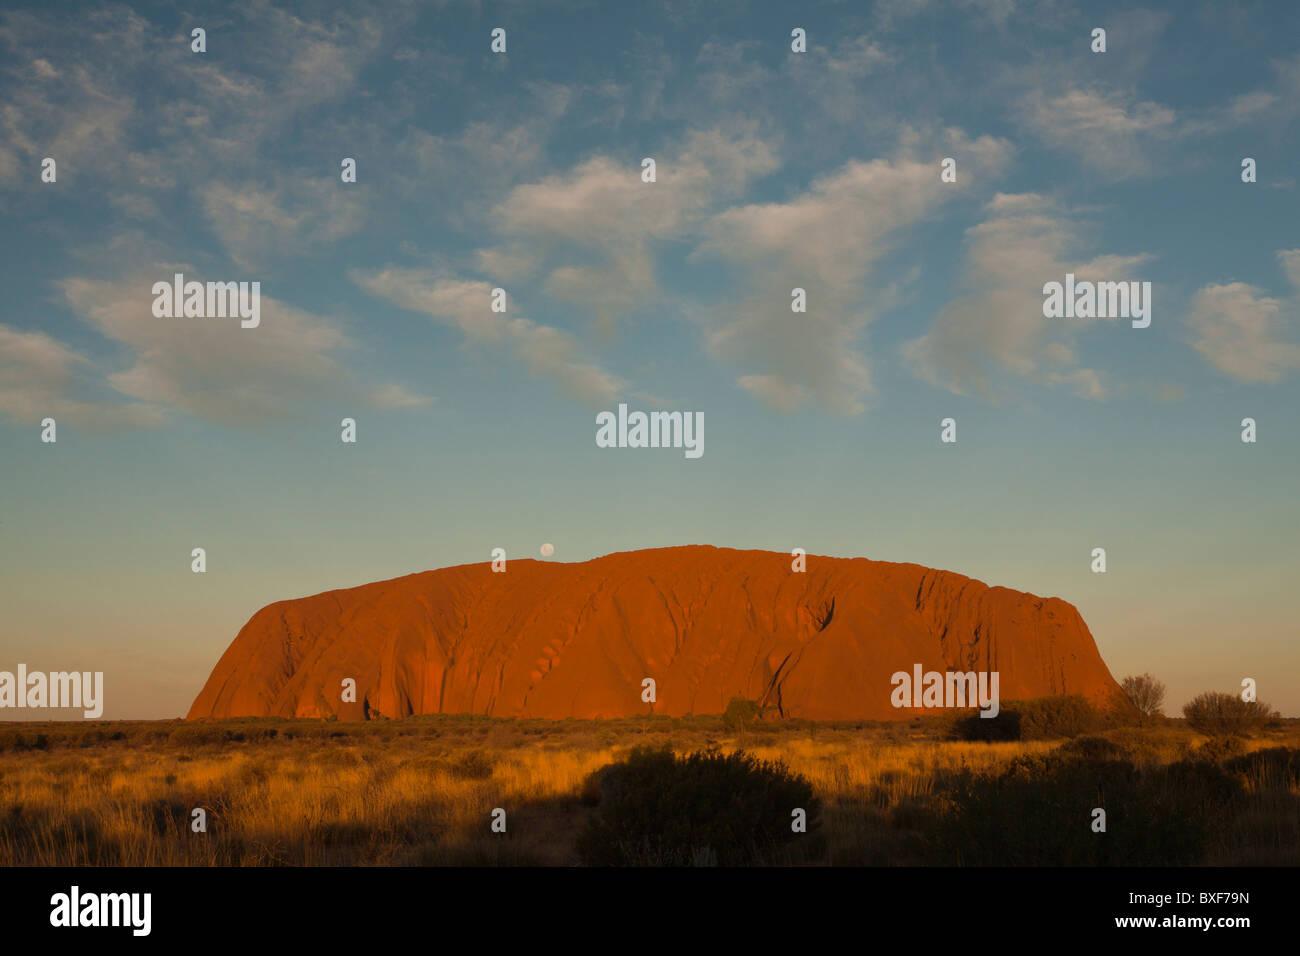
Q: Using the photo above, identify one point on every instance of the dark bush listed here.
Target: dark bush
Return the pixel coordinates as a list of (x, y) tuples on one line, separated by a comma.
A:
[(14, 740), (1046, 718), (707, 807), (1092, 748), (475, 765), (1217, 714), (198, 735), (168, 816), (1040, 812), (1219, 749), (1274, 768), (1040, 718), (1005, 726), (1199, 785)]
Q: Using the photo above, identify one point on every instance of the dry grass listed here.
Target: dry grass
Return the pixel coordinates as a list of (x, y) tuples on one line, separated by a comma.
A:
[(421, 791)]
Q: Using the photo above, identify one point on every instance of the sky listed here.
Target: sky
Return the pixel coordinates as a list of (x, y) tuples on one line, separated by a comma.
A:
[(523, 170)]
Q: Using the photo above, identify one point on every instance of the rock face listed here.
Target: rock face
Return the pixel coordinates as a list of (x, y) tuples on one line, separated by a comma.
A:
[(707, 624)]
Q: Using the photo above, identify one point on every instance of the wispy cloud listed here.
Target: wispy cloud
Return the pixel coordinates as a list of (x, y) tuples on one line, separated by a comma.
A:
[(212, 368), (826, 240), (603, 211), (259, 223), (465, 304), (39, 378), (997, 329), (1105, 129), (1245, 333)]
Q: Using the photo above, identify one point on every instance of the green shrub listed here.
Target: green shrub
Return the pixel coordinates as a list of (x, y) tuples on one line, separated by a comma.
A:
[(703, 808), (1046, 718), (1217, 714), (739, 713)]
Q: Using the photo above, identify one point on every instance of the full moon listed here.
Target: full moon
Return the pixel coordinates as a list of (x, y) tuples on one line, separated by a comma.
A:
[(548, 549)]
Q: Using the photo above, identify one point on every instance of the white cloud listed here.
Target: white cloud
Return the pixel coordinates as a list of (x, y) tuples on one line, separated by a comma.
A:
[(517, 260), (776, 392), (604, 214), (1111, 130), (1273, 104), (38, 376), (396, 396), (827, 240), (212, 368), (257, 223), (1024, 242), (555, 354), (1290, 259), (465, 304), (894, 14), (1087, 382), (91, 107), (1107, 130), (1239, 330), (484, 159)]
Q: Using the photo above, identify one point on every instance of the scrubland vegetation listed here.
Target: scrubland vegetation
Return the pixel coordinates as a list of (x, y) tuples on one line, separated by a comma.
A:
[(700, 790)]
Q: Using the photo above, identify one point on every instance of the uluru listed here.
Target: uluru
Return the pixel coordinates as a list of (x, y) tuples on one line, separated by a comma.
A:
[(558, 640)]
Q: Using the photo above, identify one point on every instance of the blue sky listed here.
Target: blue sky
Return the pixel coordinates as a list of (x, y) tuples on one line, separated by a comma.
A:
[(774, 170)]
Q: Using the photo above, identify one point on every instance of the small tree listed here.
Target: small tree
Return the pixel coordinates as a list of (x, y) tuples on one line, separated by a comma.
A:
[(740, 712), (1147, 695)]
